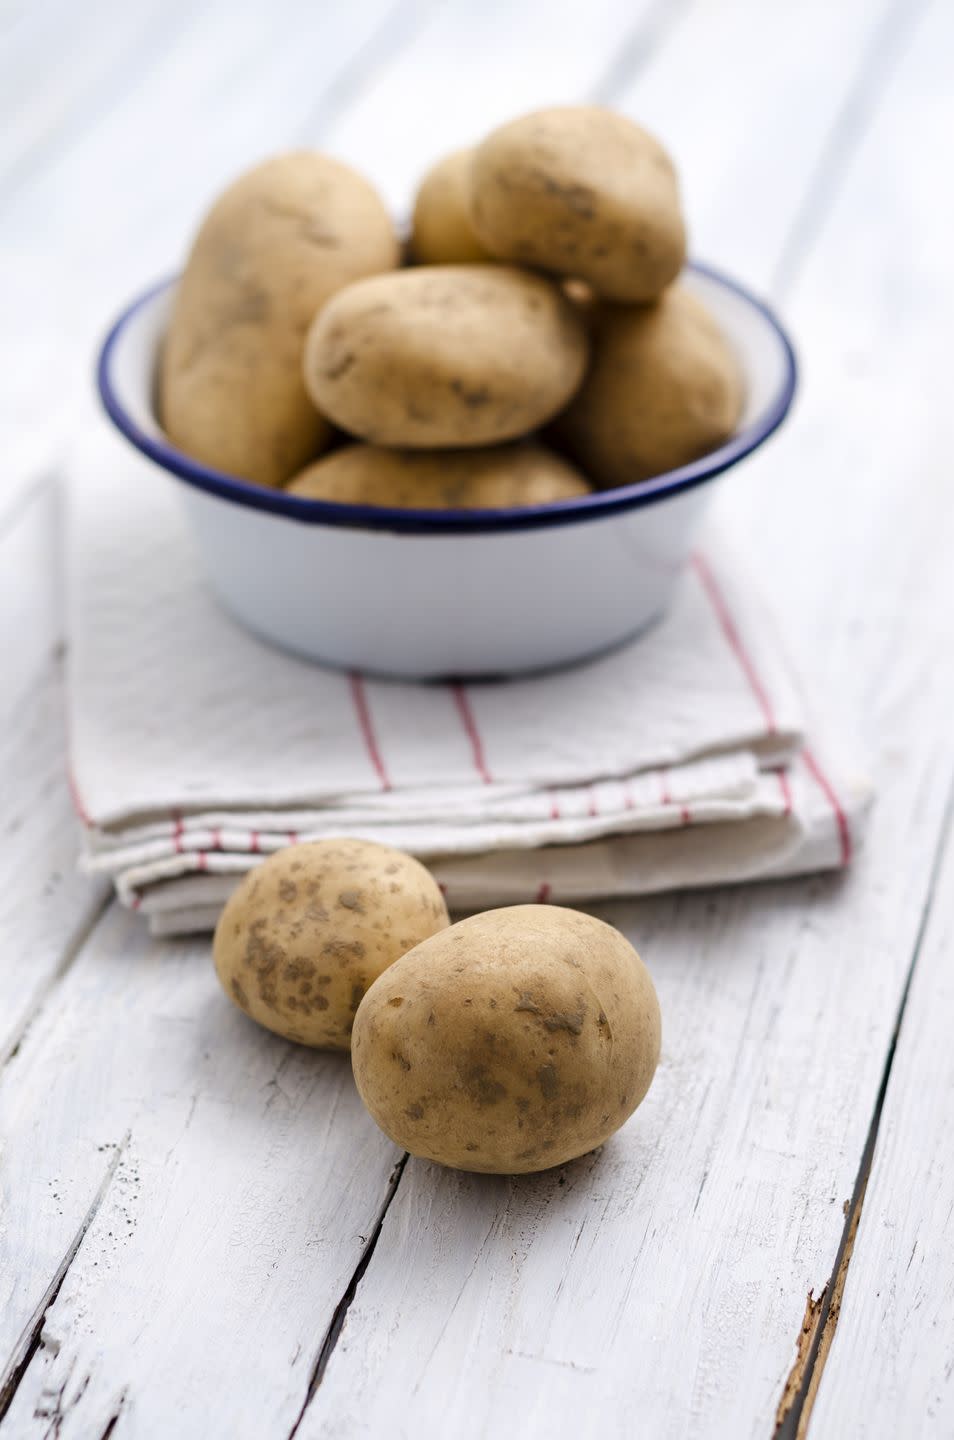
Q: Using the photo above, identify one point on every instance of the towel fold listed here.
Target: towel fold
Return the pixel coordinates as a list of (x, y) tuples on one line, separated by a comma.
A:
[(681, 759)]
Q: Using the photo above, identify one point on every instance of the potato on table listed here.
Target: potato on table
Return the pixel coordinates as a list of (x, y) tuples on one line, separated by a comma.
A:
[(307, 931), (445, 356), (442, 232), (500, 477), (273, 248), (514, 1041), (582, 192), (663, 389)]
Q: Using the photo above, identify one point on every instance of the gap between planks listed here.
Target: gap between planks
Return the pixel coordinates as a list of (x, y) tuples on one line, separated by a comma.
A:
[(71, 953), (638, 48), (32, 1336), (888, 46), (821, 1315), (398, 28), (339, 1316)]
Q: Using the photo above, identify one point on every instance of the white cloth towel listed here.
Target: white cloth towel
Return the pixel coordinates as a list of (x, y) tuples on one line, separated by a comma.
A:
[(679, 760)]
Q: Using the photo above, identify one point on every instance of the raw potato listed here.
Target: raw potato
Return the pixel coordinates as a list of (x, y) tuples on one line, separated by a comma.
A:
[(445, 355), (273, 248), (502, 477), (442, 232), (663, 389), (582, 192), (307, 932), (514, 1041)]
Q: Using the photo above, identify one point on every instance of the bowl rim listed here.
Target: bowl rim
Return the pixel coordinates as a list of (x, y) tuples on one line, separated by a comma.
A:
[(596, 506)]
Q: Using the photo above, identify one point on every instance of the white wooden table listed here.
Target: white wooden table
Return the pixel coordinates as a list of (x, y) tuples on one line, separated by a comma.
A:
[(201, 1234)]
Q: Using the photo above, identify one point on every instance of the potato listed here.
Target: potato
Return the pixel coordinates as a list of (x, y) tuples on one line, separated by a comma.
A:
[(272, 249), (445, 356), (582, 192), (664, 388), (513, 1041), (306, 933), (501, 477), (441, 231)]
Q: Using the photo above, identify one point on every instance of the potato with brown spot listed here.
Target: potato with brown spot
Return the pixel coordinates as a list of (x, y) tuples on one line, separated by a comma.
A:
[(581, 191), (511, 1042), (445, 356), (442, 232), (663, 389), (498, 477), (272, 249), (301, 939)]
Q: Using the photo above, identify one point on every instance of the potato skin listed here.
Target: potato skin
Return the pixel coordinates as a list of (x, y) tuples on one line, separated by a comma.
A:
[(501, 477), (272, 249), (514, 1041), (583, 192), (306, 932), (663, 389), (442, 232), (445, 356)]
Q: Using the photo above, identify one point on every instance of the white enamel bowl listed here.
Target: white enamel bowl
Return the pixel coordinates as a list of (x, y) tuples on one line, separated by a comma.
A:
[(426, 593)]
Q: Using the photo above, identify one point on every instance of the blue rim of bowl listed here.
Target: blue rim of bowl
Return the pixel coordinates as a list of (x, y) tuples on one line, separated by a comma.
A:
[(597, 506)]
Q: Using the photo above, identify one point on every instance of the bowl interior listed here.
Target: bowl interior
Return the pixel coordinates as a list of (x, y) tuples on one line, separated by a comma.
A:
[(127, 383)]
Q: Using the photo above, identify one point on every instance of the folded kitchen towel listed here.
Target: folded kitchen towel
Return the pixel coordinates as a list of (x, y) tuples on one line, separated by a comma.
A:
[(681, 759)]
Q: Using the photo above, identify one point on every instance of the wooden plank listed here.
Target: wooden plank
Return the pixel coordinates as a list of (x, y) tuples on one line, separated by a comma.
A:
[(53, 73), (747, 133), (216, 1185), (45, 906), (664, 1283), (889, 1369)]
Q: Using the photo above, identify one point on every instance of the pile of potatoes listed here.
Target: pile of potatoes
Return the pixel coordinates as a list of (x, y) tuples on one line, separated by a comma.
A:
[(540, 299), (510, 1042)]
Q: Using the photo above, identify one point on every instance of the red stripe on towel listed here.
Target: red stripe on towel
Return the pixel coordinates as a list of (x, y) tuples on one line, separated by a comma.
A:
[(469, 723), (216, 839), (363, 712), (786, 790), (684, 812), (544, 893), (76, 797), (828, 790), (717, 599), (555, 812), (253, 842)]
